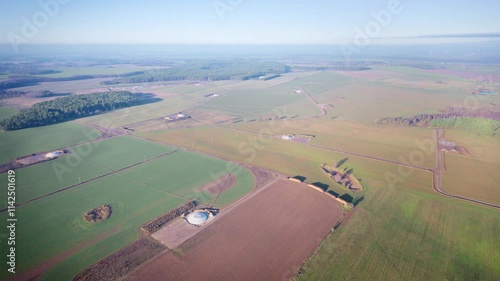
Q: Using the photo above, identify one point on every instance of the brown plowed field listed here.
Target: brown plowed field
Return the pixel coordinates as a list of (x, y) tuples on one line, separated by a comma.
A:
[(267, 237)]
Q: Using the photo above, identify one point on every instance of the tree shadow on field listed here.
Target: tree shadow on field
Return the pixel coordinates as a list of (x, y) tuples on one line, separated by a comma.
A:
[(358, 200), (347, 197), (341, 162), (333, 193), (321, 185), (300, 178), (145, 98)]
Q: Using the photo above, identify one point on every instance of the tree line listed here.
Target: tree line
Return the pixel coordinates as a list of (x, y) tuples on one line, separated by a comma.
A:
[(33, 94), (207, 71), (68, 108), (452, 113), (481, 121)]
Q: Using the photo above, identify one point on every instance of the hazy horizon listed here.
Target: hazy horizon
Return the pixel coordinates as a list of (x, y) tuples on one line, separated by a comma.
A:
[(246, 22)]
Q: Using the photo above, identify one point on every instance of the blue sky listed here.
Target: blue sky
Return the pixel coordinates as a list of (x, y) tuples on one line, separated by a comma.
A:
[(245, 22)]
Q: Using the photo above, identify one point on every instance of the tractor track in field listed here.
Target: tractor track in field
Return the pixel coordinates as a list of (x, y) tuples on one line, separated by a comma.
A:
[(105, 133), (373, 158), (329, 148), (92, 179), (438, 175), (191, 108), (319, 106), (436, 172)]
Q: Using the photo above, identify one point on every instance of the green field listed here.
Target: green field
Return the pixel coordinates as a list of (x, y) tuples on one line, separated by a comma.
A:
[(276, 100), (477, 126), (400, 231), (354, 98), (404, 235), (246, 99), (465, 176), (57, 229), (285, 157), (173, 104), (56, 225), (26, 141), (85, 162), (6, 112), (386, 142), (85, 85), (473, 176)]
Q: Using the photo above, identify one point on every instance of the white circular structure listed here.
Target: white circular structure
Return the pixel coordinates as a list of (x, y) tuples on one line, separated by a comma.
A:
[(54, 154), (198, 217)]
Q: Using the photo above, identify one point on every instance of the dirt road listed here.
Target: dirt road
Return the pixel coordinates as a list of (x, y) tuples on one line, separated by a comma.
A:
[(438, 175), (321, 107)]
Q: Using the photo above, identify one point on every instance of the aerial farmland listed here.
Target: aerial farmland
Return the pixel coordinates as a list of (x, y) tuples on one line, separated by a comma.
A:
[(231, 140)]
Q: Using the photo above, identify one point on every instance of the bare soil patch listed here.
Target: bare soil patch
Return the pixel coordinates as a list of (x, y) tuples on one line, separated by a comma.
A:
[(266, 237), (261, 176), (221, 184), (27, 160), (164, 219), (121, 262), (178, 231)]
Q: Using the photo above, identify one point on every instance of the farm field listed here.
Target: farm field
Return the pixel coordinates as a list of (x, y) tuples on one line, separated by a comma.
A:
[(273, 252), (387, 142), (68, 86), (287, 157), (67, 244), (83, 163), (26, 141), (406, 235), (166, 175), (61, 234), (353, 97), (171, 104), (401, 228), (480, 184), (279, 100), (250, 141), (233, 100), (474, 175)]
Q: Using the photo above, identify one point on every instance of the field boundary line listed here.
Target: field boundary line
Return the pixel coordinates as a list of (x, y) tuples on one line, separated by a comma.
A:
[(328, 148), (438, 186), (92, 179), (372, 158)]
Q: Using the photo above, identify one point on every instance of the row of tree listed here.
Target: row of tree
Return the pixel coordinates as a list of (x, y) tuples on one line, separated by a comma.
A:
[(68, 108), (207, 71), (453, 113), (33, 94)]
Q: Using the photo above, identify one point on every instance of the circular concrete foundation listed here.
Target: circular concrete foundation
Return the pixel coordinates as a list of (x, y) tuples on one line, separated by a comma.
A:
[(198, 217)]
